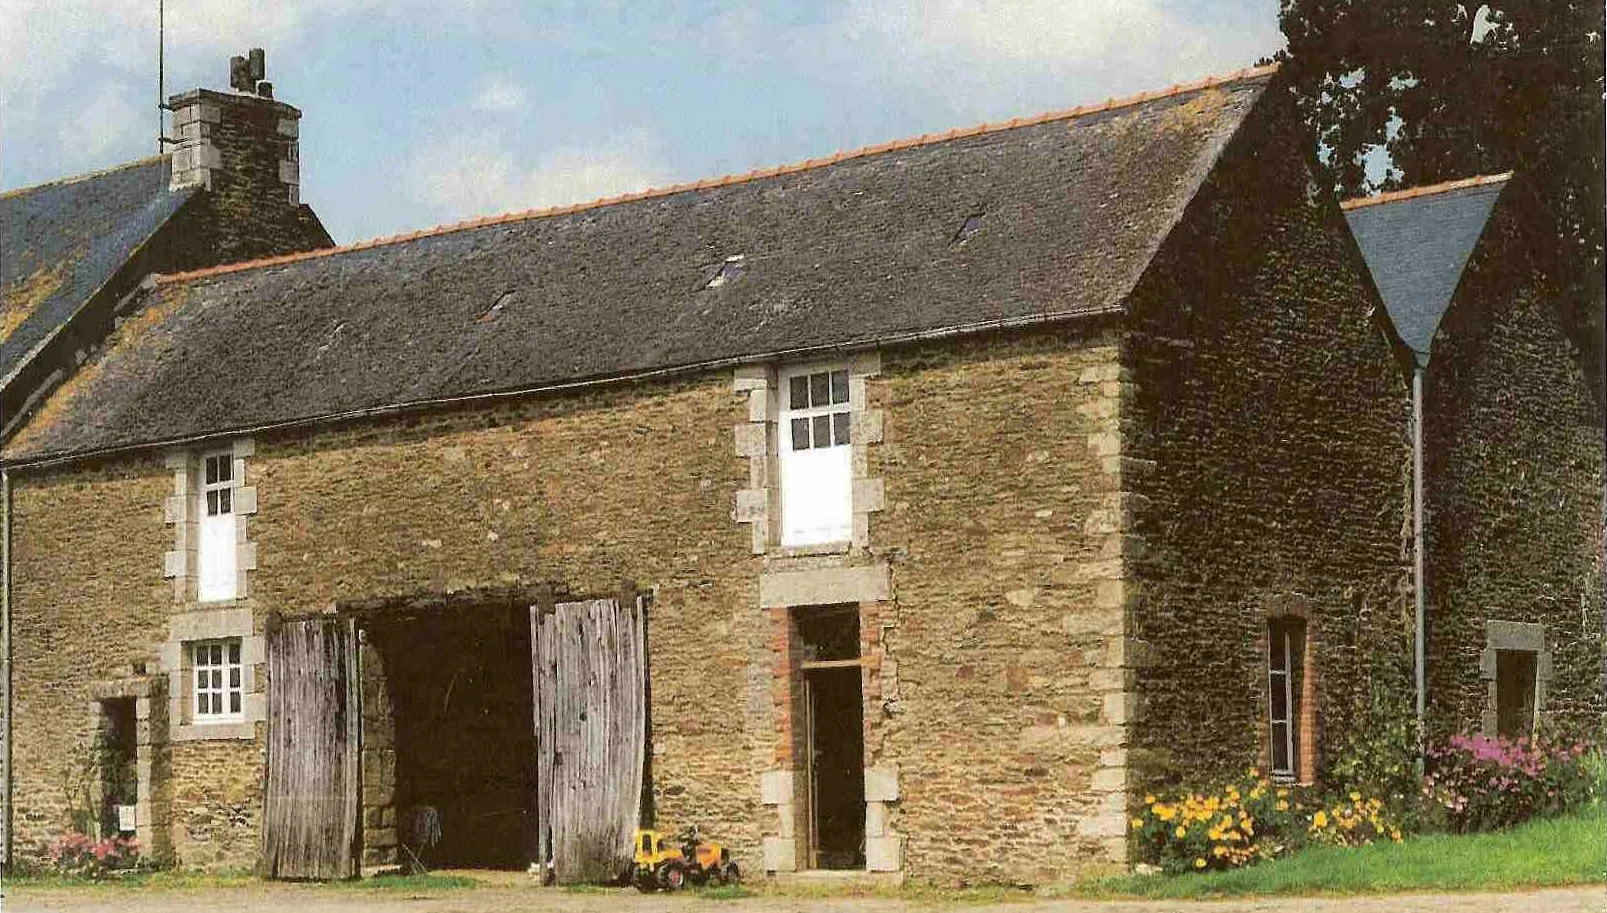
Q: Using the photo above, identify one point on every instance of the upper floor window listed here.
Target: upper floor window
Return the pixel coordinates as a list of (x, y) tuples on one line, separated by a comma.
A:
[(815, 456), (216, 548)]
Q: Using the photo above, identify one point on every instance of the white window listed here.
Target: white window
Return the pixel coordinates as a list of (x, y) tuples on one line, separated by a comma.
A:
[(215, 551), (816, 460), (217, 681), (1286, 646)]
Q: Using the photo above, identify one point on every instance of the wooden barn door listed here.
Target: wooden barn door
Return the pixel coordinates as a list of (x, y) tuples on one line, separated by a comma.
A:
[(314, 774), (590, 666)]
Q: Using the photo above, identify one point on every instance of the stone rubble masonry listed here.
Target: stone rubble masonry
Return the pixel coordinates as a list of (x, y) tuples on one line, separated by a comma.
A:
[(1269, 427), (994, 700), (1513, 445), (222, 134)]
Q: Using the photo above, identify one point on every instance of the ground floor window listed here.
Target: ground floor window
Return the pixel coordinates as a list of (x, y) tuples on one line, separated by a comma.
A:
[(218, 680), (1514, 692), (1286, 643)]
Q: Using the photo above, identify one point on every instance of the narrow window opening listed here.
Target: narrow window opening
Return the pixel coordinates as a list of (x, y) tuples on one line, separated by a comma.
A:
[(1286, 647)]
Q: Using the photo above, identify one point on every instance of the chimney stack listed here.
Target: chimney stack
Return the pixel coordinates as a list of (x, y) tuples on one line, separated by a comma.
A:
[(241, 145)]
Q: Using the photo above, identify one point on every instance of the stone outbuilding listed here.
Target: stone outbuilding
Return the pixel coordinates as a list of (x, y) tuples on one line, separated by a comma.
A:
[(958, 489)]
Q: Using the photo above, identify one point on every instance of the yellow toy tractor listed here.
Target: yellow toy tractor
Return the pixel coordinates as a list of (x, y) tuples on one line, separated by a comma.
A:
[(663, 865)]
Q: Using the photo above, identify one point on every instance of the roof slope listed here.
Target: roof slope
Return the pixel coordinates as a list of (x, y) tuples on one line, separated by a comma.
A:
[(1416, 243), (860, 249), (61, 242)]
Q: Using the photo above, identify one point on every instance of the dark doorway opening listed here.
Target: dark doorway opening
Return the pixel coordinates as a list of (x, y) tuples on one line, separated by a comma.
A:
[(835, 735), (1514, 692), (459, 681), (119, 770)]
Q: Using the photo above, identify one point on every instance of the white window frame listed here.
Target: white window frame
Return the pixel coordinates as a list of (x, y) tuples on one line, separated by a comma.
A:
[(217, 566), (816, 481), (217, 678), (1280, 634)]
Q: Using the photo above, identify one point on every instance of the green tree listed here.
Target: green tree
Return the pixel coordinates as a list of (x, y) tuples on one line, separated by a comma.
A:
[(1451, 90)]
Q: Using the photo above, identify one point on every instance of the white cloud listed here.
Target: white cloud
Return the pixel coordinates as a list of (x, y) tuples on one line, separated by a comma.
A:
[(466, 176), (105, 123), (498, 94), (970, 49)]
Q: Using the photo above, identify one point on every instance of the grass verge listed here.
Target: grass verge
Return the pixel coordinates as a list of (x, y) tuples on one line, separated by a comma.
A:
[(198, 881), (1549, 853)]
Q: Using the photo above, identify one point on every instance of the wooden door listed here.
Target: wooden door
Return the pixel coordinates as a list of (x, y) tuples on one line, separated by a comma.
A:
[(590, 677), (314, 779)]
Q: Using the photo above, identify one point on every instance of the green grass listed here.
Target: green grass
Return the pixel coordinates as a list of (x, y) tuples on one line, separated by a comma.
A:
[(1558, 851)]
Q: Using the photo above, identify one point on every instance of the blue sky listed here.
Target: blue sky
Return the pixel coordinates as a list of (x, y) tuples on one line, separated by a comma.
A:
[(418, 112)]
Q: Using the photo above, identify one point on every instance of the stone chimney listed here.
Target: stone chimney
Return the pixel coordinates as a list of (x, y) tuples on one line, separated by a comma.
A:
[(240, 145)]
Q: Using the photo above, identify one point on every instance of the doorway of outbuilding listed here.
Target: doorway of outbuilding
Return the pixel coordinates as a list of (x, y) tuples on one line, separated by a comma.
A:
[(834, 751), (119, 772), (457, 680)]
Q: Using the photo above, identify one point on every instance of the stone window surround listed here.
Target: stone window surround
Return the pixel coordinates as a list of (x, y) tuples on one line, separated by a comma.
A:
[(182, 511), (1512, 635), (757, 440), (213, 624)]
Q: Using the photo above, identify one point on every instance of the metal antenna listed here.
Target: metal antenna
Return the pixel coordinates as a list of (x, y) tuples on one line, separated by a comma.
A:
[(161, 75)]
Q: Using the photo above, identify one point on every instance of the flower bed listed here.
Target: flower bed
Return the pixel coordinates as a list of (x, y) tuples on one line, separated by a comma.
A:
[(1242, 823), (1483, 782), (76, 855)]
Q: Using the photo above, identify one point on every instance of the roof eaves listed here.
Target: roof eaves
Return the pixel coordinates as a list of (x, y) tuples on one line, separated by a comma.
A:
[(46, 460), (926, 139), (1395, 196)]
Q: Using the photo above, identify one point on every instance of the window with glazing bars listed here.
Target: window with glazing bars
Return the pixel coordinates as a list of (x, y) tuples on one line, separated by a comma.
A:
[(216, 669), (1286, 647)]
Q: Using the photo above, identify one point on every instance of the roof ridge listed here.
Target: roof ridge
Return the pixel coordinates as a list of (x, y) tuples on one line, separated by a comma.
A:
[(925, 139), (1395, 196), (75, 178)]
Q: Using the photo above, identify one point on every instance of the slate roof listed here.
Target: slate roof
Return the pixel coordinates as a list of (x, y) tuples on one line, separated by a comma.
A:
[(61, 242), (859, 249), (1416, 243)]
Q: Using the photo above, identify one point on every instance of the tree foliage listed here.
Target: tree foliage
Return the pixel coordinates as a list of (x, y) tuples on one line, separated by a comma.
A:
[(1451, 90)]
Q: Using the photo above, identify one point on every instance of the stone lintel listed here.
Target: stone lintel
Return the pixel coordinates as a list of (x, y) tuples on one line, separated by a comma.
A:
[(825, 586)]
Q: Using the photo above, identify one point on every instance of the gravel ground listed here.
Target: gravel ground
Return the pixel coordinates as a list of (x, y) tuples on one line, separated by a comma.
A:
[(518, 898)]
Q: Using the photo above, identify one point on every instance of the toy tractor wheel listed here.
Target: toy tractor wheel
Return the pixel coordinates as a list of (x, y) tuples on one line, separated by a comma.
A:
[(645, 880), (732, 874), (672, 876)]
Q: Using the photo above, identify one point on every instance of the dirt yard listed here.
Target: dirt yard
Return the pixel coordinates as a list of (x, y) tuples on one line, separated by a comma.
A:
[(517, 899)]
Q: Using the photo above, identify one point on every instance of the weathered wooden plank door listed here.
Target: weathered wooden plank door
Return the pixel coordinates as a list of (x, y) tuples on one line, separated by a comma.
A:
[(314, 753), (590, 676)]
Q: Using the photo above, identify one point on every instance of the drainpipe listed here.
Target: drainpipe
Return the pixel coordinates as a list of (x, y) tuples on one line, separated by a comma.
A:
[(1419, 664), (5, 665)]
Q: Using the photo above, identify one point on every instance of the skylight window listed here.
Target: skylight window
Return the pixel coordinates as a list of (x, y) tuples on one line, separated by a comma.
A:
[(972, 225), (730, 271)]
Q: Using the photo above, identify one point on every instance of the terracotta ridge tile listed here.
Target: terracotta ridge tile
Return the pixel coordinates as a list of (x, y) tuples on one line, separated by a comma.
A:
[(924, 139), (1395, 196)]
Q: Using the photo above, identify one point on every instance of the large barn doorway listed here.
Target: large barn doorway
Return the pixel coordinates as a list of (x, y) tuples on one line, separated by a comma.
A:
[(834, 734), (459, 684)]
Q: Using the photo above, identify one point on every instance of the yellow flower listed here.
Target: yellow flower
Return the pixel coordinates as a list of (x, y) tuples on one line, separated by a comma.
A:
[(1283, 805), (1138, 823), (1355, 796), (1395, 835), (1320, 819), (1219, 851), (1199, 863), (1283, 794), (1149, 799), (1181, 833)]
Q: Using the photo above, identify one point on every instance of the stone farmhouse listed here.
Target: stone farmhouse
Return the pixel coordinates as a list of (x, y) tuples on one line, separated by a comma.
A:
[(911, 511)]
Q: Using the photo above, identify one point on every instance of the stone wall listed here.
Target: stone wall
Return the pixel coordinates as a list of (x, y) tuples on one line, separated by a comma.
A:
[(994, 693), (1513, 445), (1268, 451), (999, 695)]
